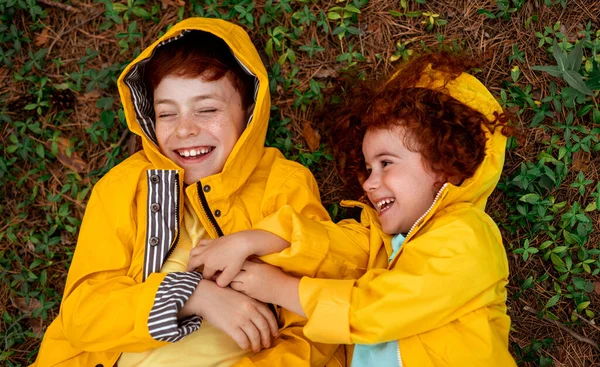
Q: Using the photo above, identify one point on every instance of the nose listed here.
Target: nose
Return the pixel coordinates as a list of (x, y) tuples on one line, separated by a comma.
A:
[(372, 182), (187, 126)]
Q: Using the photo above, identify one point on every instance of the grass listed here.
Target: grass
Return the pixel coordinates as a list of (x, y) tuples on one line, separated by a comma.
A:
[(62, 128)]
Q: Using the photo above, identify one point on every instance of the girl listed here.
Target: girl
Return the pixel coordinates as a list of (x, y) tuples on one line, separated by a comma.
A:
[(433, 141)]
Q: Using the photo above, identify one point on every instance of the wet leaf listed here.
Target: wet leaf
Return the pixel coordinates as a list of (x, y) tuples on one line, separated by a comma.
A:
[(64, 146), (312, 137)]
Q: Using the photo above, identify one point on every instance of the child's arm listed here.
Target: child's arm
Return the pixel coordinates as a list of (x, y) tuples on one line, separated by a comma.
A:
[(222, 258), (410, 299)]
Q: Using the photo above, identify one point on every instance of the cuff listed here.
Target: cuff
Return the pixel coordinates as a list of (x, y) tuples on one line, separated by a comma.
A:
[(326, 303), (172, 294), (309, 242)]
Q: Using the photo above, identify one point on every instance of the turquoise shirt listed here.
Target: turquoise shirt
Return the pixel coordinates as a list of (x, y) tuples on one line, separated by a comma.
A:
[(383, 354)]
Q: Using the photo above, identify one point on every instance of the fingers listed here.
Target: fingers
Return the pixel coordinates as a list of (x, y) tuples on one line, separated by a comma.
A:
[(270, 319), (253, 335), (228, 274), (195, 262), (263, 328), (240, 337)]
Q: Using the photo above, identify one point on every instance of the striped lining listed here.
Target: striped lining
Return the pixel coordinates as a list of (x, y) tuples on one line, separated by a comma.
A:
[(172, 294), (162, 228), (143, 99)]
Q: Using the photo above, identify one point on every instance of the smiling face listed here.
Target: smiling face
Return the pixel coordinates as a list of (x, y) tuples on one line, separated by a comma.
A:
[(399, 185), (198, 123)]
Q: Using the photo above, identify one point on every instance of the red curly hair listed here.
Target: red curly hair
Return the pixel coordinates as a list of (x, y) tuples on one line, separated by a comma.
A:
[(447, 133)]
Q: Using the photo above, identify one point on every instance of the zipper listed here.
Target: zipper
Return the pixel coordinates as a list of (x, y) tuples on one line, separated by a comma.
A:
[(206, 208), (399, 357), (215, 225), (176, 242), (437, 196)]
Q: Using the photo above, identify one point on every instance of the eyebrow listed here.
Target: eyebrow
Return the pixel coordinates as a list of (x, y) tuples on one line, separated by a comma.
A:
[(385, 152), (195, 99)]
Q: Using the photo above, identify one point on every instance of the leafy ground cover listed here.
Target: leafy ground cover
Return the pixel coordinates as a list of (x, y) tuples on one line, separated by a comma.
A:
[(62, 128)]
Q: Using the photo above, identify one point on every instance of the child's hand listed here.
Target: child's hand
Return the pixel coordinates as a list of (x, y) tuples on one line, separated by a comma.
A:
[(260, 281), (249, 322), (223, 257)]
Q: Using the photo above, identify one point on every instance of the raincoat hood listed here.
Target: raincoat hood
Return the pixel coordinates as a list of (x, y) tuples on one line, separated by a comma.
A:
[(138, 106), (470, 91)]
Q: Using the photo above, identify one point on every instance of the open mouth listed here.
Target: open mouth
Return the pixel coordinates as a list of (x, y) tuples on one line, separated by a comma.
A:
[(384, 205), (189, 154)]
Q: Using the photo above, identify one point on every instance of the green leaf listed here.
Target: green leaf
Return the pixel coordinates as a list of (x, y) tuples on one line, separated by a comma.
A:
[(557, 260), (559, 56), (552, 70), (575, 80), (119, 7), (574, 59), (579, 283), (591, 207), (530, 198), (552, 301), (352, 9), (333, 16), (528, 283)]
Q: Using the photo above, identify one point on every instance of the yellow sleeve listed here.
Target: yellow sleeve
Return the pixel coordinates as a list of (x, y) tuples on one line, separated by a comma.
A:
[(319, 247), (104, 308), (439, 277), (299, 194)]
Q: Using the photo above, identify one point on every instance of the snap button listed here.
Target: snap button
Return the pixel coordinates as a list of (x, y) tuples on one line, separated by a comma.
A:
[(155, 207), (217, 213), (206, 188), (154, 179), (153, 241)]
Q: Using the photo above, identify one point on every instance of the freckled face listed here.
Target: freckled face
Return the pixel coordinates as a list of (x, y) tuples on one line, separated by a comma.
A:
[(198, 123), (399, 185)]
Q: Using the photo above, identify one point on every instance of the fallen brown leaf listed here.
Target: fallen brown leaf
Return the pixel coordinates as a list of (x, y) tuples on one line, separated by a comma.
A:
[(581, 161), (37, 326), (176, 3), (27, 309), (41, 38), (326, 73), (312, 137), (597, 287), (74, 162)]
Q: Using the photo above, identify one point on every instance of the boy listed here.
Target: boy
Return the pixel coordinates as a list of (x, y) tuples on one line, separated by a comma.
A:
[(199, 98)]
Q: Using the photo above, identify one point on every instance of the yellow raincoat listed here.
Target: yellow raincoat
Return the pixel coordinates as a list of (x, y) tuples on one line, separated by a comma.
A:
[(443, 297), (112, 294)]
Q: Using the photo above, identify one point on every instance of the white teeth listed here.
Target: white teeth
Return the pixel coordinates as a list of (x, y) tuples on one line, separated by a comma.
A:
[(193, 152), (383, 202)]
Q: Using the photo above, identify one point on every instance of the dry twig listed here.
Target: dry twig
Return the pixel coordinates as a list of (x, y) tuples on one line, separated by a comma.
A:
[(566, 329), (62, 6)]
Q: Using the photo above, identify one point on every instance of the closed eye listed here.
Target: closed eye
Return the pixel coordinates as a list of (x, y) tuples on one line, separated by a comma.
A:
[(207, 110)]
